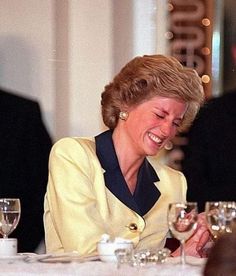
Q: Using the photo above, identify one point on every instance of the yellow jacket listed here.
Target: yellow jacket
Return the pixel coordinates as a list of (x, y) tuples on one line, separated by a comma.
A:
[(79, 208)]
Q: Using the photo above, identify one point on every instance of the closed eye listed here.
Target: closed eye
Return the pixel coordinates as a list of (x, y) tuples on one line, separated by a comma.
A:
[(177, 124), (160, 116)]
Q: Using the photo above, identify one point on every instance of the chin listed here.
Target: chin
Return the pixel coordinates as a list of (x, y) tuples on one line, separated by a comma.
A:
[(153, 149), (153, 152)]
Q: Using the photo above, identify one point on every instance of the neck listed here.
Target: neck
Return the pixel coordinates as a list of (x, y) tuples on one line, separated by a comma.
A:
[(129, 161)]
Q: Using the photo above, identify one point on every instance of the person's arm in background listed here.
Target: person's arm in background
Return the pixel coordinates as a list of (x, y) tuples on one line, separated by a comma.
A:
[(34, 148), (195, 160)]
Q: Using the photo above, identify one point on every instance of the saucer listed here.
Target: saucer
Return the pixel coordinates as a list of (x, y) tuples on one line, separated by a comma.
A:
[(59, 258), (12, 259), (189, 260)]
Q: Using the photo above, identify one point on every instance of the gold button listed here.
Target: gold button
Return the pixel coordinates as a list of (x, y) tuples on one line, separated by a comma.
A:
[(133, 227)]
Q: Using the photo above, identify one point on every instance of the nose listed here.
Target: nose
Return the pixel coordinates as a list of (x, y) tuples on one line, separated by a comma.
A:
[(166, 129)]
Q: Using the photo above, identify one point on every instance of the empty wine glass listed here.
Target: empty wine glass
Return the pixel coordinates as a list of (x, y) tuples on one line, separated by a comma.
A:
[(220, 216), (10, 210), (182, 220)]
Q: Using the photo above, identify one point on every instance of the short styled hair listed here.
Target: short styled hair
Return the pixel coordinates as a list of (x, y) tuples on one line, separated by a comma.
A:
[(145, 77)]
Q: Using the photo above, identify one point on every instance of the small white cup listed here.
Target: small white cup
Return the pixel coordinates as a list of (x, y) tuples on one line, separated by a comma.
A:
[(8, 247), (106, 250)]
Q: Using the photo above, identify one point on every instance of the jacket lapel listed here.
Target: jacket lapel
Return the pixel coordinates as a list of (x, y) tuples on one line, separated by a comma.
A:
[(146, 193)]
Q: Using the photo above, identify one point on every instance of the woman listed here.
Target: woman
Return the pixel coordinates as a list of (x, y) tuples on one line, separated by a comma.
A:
[(107, 184)]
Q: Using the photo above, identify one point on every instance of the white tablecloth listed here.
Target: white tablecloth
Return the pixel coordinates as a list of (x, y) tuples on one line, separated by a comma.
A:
[(95, 268)]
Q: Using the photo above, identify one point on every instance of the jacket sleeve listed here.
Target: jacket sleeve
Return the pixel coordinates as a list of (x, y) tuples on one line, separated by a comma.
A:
[(72, 221)]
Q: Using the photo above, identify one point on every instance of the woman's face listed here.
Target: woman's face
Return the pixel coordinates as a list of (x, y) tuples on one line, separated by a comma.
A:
[(151, 124)]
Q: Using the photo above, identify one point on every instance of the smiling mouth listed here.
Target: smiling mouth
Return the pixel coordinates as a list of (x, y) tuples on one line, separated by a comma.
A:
[(155, 138)]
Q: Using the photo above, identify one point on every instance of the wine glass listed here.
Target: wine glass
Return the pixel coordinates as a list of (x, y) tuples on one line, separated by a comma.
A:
[(229, 211), (182, 220), (10, 210), (220, 216)]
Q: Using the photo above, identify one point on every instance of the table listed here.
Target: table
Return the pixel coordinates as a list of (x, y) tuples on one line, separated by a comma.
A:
[(97, 268)]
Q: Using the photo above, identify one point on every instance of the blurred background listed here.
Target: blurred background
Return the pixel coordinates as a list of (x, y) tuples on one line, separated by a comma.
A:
[(63, 52)]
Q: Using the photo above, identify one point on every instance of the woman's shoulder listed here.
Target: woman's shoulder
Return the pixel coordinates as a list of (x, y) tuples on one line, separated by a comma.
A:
[(72, 145), (75, 140), (162, 169), (170, 179)]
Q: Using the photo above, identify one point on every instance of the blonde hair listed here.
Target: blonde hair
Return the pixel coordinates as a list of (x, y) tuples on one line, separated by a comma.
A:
[(146, 77)]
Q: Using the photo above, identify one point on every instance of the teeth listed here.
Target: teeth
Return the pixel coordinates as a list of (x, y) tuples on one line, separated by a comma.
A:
[(154, 138)]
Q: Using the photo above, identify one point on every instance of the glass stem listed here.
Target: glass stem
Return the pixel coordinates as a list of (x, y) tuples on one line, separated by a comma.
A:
[(182, 252), (5, 236)]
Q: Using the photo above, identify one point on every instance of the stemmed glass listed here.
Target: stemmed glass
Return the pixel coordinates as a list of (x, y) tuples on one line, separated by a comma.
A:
[(220, 216), (182, 220), (10, 210)]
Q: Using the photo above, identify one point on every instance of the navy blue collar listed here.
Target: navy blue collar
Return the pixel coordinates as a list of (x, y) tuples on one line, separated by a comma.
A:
[(146, 193)]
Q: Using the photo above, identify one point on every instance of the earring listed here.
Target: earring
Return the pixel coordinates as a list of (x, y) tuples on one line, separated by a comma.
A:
[(168, 145), (123, 115)]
